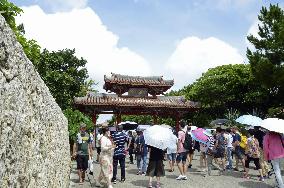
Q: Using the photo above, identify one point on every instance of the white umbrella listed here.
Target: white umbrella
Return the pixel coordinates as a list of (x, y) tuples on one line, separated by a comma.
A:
[(249, 120), (166, 126), (273, 124), (159, 137), (143, 127), (193, 127), (127, 122)]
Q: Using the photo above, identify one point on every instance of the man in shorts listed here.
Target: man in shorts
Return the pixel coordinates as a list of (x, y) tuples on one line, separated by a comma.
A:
[(181, 152), (82, 150), (239, 152)]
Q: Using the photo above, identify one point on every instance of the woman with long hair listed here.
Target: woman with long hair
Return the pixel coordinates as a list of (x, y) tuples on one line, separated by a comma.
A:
[(252, 154), (107, 148)]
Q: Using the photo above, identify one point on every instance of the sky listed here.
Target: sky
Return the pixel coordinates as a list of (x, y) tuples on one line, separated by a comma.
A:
[(179, 39)]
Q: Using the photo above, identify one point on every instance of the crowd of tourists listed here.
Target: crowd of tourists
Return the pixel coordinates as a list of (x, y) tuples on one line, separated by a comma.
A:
[(264, 148)]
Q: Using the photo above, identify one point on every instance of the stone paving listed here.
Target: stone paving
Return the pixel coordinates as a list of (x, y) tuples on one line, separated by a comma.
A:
[(196, 178)]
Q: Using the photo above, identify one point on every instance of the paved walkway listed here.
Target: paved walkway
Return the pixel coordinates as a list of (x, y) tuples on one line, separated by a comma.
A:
[(196, 179)]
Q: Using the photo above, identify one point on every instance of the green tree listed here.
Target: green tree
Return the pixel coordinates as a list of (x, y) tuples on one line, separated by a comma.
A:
[(223, 88), (228, 86), (276, 112), (75, 118), (9, 11), (267, 58), (64, 74), (143, 120)]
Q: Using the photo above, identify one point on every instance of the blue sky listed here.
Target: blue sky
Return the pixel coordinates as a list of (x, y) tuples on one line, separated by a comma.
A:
[(180, 39), (151, 27)]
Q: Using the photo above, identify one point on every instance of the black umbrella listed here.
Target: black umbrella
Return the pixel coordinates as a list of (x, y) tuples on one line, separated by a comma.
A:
[(128, 125), (219, 122)]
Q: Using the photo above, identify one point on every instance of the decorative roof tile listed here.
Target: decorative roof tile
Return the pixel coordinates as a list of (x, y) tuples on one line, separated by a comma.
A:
[(138, 80), (100, 99)]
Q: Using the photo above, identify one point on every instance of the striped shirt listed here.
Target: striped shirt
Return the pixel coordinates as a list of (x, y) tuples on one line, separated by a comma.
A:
[(119, 138), (210, 143)]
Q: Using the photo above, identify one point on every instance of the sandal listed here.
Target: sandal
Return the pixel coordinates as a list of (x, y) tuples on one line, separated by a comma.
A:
[(150, 185)]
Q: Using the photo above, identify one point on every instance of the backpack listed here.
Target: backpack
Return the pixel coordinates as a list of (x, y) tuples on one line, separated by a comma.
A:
[(187, 144), (221, 142), (139, 147), (243, 143)]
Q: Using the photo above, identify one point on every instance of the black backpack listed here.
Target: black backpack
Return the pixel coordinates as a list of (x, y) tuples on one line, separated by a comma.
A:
[(188, 143)]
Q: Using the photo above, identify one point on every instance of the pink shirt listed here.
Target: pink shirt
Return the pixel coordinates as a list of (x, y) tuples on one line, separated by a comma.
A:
[(181, 138), (272, 146)]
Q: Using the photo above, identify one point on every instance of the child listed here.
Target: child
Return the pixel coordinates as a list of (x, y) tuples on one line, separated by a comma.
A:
[(155, 166)]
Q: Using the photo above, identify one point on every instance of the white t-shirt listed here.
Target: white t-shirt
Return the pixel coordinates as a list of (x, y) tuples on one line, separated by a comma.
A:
[(105, 142), (230, 141), (99, 136)]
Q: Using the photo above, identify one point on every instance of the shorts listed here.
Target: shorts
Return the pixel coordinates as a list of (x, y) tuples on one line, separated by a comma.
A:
[(181, 157), (99, 150), (220, 153), (172, 156), (239, 152), (155, 168), (82, 162), (255, 160)]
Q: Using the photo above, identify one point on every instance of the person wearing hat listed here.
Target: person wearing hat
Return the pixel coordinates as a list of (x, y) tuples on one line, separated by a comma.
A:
[(141, 152), (82, 150)]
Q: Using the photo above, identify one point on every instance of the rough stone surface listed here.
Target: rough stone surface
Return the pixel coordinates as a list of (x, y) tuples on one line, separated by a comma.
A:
[(34, 145)]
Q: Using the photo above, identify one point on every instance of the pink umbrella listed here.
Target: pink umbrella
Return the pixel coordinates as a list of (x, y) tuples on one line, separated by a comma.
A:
[(198, 135)]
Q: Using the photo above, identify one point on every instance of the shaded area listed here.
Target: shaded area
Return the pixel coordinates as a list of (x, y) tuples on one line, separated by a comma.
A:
[(254, 184)]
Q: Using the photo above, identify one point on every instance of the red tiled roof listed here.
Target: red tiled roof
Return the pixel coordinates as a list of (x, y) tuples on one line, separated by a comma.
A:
[(114, 100)]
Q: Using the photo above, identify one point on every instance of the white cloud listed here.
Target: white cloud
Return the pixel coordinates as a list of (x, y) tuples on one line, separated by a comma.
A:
[(194, 56), (83, 30), (64, 5), (253, 30)]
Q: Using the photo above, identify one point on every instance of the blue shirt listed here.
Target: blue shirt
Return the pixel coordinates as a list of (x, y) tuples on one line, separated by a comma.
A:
[(119, 138), (236, 137), (141, 140)]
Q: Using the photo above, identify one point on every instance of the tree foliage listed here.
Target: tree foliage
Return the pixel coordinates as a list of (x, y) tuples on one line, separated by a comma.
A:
[(267, 59), (223, 89), (75, 118), (228, 86), (64, 74), (143, 120), (9, 11)]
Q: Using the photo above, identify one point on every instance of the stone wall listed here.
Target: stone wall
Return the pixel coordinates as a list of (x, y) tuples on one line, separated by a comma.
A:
[(34, 145)]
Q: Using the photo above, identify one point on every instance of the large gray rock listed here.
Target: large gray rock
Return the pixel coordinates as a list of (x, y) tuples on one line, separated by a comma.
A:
[(34, 145)]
